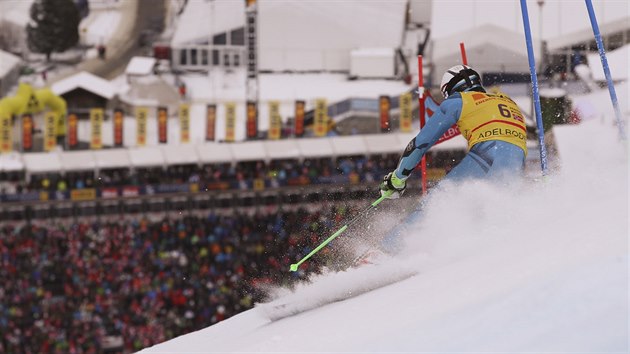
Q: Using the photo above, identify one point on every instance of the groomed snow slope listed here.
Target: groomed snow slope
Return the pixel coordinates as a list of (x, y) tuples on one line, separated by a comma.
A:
[(539, 268)]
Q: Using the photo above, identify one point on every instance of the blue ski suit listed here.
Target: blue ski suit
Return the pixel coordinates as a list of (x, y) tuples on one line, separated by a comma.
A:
[(495, 129), (489, 157)]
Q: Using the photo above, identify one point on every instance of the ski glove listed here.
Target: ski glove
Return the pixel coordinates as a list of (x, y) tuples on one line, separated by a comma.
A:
[(392, 186)]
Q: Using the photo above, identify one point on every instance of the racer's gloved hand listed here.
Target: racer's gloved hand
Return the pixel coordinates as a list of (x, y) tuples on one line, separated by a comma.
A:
[(392, 187)]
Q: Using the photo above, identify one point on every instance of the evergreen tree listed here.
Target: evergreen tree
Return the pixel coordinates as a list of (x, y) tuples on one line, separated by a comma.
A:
[(54, 26)]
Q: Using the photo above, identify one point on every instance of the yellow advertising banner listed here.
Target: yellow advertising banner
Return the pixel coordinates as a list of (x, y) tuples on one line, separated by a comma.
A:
[(96, 121), (275, 121), (61, 125), (6, 141), (141, 126), (184, 122), (50, 131), (230, 122), (83, 194), (405, 112), (320, 124)]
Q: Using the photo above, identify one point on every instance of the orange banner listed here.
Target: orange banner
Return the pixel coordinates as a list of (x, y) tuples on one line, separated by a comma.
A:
[(184, 122), (252, 120), (211, 119), (73, 131), (299, 118), (119, 123), (27, 132), (383, 107), (275, 121), (162, 119)]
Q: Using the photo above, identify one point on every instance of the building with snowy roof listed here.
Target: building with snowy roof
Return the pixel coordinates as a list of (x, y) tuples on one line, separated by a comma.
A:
[(83, 91)]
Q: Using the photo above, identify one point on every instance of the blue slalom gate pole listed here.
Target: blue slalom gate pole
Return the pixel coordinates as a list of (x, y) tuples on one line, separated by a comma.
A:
[(602, 56), (536, 96)]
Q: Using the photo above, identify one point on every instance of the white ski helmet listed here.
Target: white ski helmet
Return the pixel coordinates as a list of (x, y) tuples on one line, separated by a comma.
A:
[(458, 79)]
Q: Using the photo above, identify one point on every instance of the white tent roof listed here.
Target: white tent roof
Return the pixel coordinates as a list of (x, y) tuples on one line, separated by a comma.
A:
[(86, 81), (77, 160), (8, 61), (140, 66), (248, 151), (282, 149), (214, 153), (185, 154), (41, 162), (11, 162), (349, 145), (315, 147), (113, 158), (383, 143), (146, 156), (489, 48)]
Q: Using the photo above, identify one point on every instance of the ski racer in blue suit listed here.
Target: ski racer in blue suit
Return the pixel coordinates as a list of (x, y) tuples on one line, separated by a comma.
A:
[(492, 124)]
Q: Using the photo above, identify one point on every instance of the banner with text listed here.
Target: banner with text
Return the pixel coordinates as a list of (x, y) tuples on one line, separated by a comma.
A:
[(96, 121), (275, 121), (211, 119), (252, 120), (230, 122), (383, 107), (320, 124), (72, 137), (406, 112), (184, 122), (141, 126), (162, 120), (299, 118), (6, 141), (27, 132), (50, 131), (119, 123)]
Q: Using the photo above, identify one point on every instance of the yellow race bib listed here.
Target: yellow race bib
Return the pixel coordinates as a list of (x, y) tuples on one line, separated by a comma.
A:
[(491, 117)]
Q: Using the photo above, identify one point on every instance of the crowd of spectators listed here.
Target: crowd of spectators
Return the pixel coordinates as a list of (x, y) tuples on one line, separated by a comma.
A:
[(74, 288), (240, 175)]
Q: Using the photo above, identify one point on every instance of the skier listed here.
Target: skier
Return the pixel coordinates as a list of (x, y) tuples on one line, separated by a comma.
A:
[(492, 124)]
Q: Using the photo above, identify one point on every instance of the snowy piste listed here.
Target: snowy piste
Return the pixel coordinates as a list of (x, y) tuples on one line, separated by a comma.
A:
[(538, 268)]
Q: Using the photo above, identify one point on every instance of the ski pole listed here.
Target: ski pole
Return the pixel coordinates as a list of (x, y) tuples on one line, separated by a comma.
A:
[(294, 267)]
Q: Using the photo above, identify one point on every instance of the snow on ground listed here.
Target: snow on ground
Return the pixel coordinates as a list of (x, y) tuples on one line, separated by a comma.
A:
[(542, 267)]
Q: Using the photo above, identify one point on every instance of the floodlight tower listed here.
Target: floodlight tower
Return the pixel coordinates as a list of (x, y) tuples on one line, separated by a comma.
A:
[(251, 85)]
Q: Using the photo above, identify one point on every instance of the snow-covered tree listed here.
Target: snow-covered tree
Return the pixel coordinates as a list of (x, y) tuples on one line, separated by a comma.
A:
[(54, 26)]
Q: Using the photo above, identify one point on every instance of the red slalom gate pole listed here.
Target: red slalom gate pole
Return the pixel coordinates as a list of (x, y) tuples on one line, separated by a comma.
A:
[(462, 49), (421, 113)]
